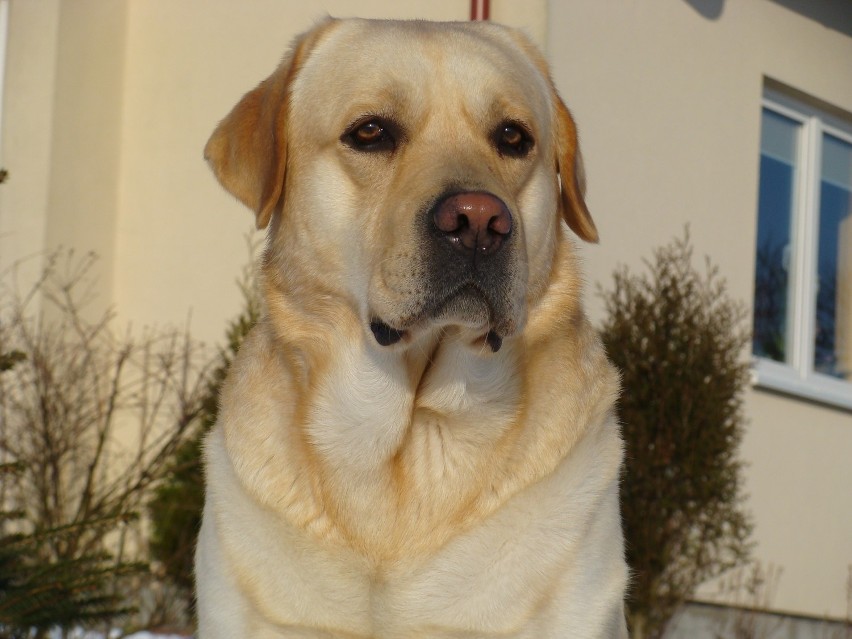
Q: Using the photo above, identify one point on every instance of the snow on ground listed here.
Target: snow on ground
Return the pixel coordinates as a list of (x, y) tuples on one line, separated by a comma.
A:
[(115, 634)]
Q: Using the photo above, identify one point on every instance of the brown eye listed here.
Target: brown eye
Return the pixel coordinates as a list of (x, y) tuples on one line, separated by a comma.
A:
[(370, 135), (512, 139)]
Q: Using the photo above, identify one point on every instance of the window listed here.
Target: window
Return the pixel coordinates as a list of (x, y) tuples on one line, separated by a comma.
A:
[(802, 338)]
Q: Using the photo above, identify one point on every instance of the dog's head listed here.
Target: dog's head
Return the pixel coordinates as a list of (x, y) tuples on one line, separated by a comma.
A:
[(418, 171)]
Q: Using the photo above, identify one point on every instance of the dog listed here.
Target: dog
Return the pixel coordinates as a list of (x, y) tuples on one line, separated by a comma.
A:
[(418, 437)]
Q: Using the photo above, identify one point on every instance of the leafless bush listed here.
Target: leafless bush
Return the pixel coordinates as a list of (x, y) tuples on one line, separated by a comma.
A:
[(842, 629), (748, 594), (90, 414), (750, 591), (678, 339)]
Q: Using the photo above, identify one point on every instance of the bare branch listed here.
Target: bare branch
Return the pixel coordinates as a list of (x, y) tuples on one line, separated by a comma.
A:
[(91, 414)]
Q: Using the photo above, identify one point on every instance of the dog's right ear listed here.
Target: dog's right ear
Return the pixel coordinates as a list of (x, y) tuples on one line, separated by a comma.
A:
[(248, 150)]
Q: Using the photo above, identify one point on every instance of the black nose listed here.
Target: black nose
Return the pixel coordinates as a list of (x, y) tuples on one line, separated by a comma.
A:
[(474, 221)]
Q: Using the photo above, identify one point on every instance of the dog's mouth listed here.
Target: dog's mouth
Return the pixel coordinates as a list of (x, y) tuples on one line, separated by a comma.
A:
[(388, 336), (385, 334), (468, 307)]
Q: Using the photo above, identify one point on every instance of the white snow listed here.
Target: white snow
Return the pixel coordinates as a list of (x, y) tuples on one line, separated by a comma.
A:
[(115, 634)]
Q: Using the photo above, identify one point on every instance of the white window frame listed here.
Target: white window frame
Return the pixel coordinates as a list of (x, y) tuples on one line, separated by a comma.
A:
[(797, 376)]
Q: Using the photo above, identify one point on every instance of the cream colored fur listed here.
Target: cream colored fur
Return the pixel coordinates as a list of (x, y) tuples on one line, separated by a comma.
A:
[(432, 487)]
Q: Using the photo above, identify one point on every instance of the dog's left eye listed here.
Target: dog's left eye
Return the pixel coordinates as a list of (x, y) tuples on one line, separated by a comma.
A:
[(513, 139), (370, 135)]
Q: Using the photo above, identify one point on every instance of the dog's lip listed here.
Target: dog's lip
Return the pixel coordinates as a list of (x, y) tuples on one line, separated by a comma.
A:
[(489, 330), (494, 340), (386, 335)]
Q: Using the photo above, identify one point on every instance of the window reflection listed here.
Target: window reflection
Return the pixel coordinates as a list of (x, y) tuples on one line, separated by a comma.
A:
[(833, 334), (779, 142)]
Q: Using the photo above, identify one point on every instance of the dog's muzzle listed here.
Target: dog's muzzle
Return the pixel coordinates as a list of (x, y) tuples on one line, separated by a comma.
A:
[(469, 260)]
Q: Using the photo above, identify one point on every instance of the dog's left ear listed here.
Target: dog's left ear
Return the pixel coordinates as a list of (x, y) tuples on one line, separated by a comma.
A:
[(248, 150), (572, 175)]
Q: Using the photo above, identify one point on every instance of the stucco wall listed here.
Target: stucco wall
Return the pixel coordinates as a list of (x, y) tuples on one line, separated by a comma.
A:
[(667, 96), (27, 127)]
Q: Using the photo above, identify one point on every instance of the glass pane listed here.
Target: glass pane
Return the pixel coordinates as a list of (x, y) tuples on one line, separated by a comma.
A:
[(779, 141), (833, 337)]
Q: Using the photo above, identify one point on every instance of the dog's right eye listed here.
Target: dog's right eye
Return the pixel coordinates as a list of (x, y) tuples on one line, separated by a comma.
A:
[(370, 135)]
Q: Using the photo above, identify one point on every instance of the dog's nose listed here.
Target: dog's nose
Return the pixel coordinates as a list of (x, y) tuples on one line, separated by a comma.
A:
[(473, 221)]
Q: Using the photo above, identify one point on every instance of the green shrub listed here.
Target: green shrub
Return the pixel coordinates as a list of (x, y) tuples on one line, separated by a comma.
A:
[(175, 509), (39, 590), (679, 342)]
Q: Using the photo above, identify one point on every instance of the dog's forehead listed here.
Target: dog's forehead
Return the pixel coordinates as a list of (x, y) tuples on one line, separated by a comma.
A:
[(374, 61)]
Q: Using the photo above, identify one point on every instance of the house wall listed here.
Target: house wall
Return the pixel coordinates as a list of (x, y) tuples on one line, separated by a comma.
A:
[(668, 98), (27, 127), (108, 104)]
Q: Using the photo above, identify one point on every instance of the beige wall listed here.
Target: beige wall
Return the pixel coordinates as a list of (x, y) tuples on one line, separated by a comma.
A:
[(668, 105), (108, 104), (27, 127), (62, 135)]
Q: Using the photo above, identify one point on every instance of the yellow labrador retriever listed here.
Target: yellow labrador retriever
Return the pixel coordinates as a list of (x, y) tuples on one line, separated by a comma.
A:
[(417, 439)]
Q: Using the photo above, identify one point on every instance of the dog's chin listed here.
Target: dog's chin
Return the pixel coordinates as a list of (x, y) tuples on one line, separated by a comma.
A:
[(468, 310)]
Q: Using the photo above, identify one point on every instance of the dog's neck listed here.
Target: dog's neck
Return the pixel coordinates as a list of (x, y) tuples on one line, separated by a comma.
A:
[(392, 441)]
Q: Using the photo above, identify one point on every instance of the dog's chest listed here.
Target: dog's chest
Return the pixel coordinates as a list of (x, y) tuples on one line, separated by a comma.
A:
[(489, 578), (372, 552), (494, 577)]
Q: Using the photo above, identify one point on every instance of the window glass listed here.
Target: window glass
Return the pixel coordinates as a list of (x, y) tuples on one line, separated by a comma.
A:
[(833, 334), (779, 142)]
